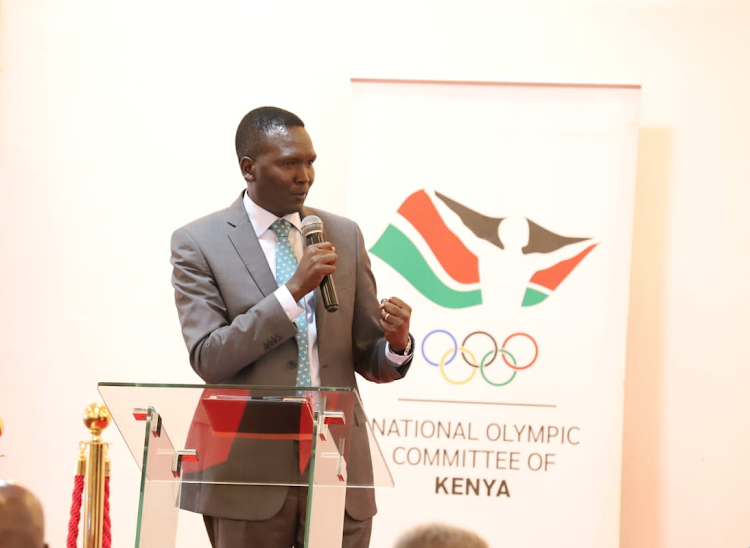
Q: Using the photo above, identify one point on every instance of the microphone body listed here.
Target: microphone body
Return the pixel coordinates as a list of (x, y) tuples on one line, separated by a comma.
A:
[(312, 228)]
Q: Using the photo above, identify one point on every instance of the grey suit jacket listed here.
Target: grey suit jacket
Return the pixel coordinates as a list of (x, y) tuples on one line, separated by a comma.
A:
[(236, 332)]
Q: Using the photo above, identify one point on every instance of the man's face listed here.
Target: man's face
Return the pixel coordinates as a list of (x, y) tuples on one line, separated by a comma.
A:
[(279, 179)]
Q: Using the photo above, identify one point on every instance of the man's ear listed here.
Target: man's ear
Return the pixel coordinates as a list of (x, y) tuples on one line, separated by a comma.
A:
[(247, 166)]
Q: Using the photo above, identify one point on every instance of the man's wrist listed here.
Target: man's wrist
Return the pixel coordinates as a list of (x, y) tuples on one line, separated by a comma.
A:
[(287, 302), (406, 351)]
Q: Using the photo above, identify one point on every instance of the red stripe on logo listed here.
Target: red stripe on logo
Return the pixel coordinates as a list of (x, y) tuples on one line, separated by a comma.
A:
[(460, 263), (553, 276)]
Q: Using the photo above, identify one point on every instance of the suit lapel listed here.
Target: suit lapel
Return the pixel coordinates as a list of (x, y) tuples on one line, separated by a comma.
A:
[(321, 315), (244, 240)]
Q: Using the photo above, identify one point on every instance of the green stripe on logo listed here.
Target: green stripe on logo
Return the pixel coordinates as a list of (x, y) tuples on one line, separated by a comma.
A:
[(400, 252), (533, 297)]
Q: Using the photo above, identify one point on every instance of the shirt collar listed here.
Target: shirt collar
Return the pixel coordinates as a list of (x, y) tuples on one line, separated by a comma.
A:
[(262, 219)]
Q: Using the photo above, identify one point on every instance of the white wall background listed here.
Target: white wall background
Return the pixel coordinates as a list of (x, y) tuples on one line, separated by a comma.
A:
[(116, 126)]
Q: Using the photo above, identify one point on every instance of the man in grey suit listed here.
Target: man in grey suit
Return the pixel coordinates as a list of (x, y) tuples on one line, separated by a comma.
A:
[(242, 325)]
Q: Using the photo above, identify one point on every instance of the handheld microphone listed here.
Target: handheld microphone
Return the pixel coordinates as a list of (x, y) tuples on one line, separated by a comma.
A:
[(312, 228)]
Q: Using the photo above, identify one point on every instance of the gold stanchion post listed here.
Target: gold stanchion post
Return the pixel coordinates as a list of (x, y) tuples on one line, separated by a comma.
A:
[(96, 418), (81, 463)]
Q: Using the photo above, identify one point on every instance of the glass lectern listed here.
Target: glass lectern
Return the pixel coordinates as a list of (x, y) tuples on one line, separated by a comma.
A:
[(220, 449)]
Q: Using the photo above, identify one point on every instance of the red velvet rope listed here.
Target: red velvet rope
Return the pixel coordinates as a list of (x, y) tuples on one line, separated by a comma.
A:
[(107, 530), (75, 512)]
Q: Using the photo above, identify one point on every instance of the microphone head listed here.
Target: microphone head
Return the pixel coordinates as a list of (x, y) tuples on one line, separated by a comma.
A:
[(311, 224)]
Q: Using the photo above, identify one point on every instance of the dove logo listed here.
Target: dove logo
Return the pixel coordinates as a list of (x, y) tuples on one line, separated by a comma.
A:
[(459, 258)]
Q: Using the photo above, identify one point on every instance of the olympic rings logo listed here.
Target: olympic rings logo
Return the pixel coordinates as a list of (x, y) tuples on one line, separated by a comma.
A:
[(488, 355)]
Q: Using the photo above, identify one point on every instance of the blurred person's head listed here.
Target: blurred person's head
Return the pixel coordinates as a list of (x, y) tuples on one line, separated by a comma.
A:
[(21, 518), (438, 535)]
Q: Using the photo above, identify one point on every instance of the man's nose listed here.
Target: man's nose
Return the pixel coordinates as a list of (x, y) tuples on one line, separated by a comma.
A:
[(305, 174)]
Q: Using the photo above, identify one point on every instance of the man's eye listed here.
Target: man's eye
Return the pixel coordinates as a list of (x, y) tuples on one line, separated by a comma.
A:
[(309, 162), (289, 164)]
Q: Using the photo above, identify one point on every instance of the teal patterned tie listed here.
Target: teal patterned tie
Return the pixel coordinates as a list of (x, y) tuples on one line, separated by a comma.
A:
[(286, 264)]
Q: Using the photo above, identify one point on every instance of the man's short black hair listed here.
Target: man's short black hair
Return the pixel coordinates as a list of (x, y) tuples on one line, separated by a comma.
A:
[(257, 124)]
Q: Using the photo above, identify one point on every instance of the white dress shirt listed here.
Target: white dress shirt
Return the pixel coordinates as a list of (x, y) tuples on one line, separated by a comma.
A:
[(262, 220)]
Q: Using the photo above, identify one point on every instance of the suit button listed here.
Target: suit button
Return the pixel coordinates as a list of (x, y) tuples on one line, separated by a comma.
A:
[(291, 365)]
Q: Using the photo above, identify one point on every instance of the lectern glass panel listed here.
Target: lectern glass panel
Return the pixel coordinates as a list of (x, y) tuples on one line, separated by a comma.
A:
[(191, 440)]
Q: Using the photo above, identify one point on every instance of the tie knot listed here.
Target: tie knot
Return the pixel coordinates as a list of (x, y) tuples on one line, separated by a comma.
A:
[(281, 228)]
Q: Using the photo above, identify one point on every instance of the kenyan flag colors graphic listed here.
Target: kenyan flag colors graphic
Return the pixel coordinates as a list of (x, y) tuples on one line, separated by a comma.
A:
[(436, 252)]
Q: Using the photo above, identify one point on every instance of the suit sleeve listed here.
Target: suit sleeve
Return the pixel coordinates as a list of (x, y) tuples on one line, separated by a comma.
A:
[(369, 345), (219, 347)]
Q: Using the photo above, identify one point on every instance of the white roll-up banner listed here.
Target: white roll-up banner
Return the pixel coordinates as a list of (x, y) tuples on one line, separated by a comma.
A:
[(502, 214)]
